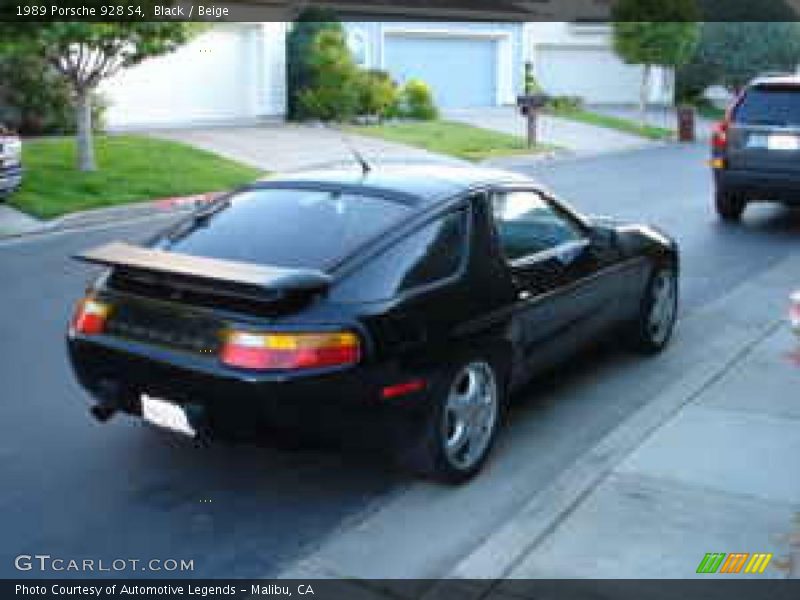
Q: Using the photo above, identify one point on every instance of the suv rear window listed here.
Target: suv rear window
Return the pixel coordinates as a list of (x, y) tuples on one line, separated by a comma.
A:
[(288, 227), (770, 105)]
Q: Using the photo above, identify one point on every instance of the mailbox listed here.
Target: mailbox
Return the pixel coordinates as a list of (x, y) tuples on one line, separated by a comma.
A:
[(531, 102), (529, 105)]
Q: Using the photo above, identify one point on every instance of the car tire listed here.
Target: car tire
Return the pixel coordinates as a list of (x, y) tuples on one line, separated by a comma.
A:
[(730, 206), (658, 311), (460, 429)]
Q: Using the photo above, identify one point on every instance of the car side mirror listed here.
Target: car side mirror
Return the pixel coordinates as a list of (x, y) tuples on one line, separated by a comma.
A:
[(603, 237)]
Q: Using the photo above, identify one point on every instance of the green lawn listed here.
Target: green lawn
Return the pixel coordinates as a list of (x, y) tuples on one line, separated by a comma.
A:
[(626, 126), (448, 137), (131, 168), (709, 111)]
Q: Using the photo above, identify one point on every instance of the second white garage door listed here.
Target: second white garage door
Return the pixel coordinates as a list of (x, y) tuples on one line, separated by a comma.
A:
[(594, 74)]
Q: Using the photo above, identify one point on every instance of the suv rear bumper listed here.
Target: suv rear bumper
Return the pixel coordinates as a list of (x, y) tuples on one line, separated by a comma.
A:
[(761, 185)]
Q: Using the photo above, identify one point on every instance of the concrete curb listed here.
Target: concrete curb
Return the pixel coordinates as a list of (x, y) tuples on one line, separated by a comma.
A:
[(126, 212), (496, 557)]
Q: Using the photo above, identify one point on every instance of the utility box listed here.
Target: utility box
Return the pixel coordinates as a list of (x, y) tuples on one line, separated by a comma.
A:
[(686, 124)]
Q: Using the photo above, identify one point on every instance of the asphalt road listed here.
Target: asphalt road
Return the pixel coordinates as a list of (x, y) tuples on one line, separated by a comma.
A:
[(75, 489)]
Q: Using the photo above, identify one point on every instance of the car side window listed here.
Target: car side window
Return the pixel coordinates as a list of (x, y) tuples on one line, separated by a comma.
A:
[(526, 224), (431, 254)]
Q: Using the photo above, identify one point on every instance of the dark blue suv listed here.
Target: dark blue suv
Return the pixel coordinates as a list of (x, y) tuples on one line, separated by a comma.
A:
[(756, 148)]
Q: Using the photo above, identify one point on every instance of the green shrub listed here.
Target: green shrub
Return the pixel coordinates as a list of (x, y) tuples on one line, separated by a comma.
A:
[(378, 93), (565, 103), (333, 91), (416, 101), (34, 100)]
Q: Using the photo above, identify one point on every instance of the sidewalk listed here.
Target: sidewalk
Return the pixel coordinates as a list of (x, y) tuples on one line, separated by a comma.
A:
[(15, 222), (710, 465), (721, 476), (658, 116), (577, 138)]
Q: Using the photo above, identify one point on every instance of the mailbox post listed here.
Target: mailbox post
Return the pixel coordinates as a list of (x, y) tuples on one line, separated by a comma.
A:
[(529, 105)]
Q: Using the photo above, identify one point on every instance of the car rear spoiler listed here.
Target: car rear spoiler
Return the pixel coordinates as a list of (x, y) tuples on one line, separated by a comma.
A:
[(228, 277)]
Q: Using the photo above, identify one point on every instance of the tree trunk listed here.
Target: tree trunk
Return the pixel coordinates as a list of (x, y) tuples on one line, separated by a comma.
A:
[(83, 120), (643, 94)]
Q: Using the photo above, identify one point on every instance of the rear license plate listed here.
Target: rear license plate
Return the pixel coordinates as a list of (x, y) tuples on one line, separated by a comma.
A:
[(166, 415), (783, 142), (757, 140)]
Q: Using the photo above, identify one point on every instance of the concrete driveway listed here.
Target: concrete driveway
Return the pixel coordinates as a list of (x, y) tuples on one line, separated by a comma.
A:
[(570, 135), (289, 147)]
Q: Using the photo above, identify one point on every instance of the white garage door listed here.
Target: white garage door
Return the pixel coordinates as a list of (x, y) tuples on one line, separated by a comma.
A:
[(461, 71), (596, 75), (214, 78)]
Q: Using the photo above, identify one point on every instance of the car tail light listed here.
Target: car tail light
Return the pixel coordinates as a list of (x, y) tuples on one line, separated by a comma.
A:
[(90, 316), (287, 351), (719, 136)]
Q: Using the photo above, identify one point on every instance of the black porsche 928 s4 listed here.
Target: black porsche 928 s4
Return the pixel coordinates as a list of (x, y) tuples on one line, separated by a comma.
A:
[(400, 306)]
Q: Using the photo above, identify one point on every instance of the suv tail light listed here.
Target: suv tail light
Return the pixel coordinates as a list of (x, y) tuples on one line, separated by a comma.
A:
[(719, 137), (288, 351), (90, 316)]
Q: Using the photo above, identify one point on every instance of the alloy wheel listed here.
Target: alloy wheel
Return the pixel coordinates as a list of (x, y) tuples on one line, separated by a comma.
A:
[(664, 306), (470, 415)]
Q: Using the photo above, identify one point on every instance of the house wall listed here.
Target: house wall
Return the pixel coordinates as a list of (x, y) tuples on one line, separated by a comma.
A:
[(230, 73), (579, 59)]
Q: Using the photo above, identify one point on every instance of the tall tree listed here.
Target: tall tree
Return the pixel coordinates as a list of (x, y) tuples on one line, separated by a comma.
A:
[(654, 33), (84, 54), (299, 42), (732, 53)]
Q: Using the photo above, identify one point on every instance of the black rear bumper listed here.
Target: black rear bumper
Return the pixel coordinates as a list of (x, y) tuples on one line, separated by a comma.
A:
[(345, 405), (761, 185)]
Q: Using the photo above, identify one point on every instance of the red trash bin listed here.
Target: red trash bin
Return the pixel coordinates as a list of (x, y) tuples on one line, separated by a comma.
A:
[(686, 129)]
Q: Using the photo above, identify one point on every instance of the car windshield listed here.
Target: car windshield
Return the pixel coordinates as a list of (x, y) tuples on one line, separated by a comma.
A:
[(773, 105), (287, 227)]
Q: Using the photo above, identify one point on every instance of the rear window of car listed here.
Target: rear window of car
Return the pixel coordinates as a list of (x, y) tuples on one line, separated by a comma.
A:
[(291, 228), (770, 105)]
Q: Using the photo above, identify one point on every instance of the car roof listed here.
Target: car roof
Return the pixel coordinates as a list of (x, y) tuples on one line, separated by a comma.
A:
[(789, 80), (417, 184)]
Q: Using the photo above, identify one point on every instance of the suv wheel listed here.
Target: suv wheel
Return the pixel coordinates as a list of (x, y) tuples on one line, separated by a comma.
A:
[(730, 206)]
